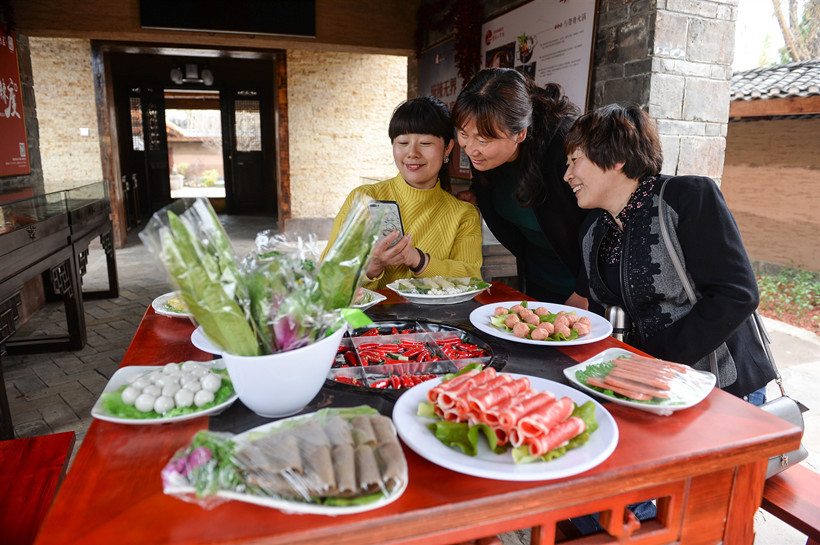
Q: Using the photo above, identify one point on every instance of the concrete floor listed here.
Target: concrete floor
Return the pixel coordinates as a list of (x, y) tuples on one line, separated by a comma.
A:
[(54, 392)]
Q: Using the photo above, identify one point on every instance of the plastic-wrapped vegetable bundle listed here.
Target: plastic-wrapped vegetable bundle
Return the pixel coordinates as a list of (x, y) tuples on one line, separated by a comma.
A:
[(334, 457), (278, 298), (198, 256)]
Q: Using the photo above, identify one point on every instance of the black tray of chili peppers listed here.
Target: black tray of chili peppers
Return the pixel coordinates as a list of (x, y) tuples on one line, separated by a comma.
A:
[(391, 356)]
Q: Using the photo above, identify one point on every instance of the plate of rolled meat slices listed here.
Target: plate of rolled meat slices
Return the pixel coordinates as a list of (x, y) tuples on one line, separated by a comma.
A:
[(531, 322), (649, 384), (505, 426)]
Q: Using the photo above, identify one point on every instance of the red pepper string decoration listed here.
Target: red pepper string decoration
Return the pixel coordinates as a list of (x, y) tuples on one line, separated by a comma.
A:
[(466, 17)]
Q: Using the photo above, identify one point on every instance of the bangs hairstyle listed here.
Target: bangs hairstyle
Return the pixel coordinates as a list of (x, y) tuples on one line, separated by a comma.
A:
[(424, 115), (421, 115), (498, 100), (616, 133)]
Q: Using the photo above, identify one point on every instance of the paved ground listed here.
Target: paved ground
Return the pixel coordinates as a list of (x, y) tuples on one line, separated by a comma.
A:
[(54, 392)]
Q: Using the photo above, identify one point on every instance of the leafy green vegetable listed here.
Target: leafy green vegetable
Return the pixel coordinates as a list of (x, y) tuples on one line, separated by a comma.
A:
[(462, 435), (207, 464), (209, 283), (341, 272), (602, 370), (272, 301)]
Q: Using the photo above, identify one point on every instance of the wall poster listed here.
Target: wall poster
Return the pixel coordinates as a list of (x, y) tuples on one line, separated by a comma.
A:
[(438, 77), (13, 143), (551, 40)]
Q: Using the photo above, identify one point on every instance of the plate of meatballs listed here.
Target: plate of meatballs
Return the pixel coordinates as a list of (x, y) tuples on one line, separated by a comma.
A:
[(531, 322)]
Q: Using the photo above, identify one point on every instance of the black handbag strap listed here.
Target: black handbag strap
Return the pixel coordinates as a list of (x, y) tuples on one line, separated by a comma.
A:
[(679, 268), (765, 340)]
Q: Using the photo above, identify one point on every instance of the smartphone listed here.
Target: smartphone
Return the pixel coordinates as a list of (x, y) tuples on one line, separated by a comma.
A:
[(391, 220)]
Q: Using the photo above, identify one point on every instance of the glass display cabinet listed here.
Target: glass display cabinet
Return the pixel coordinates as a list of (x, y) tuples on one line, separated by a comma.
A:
[(88, 216), (35, 240)]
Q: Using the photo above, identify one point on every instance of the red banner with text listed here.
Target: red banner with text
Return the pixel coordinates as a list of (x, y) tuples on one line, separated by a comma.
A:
[(13, 143)]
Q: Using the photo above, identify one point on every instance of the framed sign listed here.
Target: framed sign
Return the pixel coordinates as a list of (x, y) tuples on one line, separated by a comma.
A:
[(13, 143), (550, 40), (438, 77)]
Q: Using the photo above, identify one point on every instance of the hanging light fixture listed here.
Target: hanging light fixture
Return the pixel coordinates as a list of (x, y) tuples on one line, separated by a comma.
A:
[(191, 73)]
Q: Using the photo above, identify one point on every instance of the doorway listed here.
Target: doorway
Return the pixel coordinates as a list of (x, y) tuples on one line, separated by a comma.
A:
[(211, 137), (193, 126)]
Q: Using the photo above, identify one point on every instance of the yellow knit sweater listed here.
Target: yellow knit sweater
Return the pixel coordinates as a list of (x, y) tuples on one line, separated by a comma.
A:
[(443, 226)]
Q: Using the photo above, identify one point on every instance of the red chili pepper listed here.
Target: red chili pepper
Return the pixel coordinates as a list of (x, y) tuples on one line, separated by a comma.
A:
[(424, 356), (416, 379), (350, 358), (394, 331), (411, 344), (395, 381), (452, 340), (388, 348), (388, 361), (412, 353), (407, 381), (368, 346), (406, 331), (381, 384), (467, 347), (349, 380), (370, 333)]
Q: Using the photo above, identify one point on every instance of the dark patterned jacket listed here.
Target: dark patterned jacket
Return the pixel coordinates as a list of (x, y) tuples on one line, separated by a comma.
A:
[(665, 324)]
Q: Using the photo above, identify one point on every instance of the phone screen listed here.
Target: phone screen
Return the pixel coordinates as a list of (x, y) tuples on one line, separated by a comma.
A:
[(391, 220)]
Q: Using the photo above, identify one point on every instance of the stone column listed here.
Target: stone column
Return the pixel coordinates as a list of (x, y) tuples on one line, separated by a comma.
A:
[(673, 57)]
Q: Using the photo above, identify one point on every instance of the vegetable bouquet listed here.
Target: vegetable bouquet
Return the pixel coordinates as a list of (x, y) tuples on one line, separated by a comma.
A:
[(272, 300)]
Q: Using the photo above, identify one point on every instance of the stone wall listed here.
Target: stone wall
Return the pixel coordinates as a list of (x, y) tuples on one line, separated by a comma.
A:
[(674, 57), (691, 80), (64, 87), (339, 107)]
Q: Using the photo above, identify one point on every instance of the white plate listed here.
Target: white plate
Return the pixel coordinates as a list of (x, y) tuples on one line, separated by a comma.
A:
[(201, 341), (601, 328), (375, 298), (413, 431), (704, 384), (120, 378), (436, 299), (289, 506), (159, 306)]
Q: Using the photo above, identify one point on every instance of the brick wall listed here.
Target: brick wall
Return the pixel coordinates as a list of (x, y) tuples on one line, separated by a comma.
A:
[(777, 159), (339, 107), (64, 88)]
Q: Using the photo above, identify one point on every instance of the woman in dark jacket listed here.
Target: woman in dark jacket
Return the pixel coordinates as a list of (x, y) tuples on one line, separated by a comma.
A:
[(613, 162), (513, 132)]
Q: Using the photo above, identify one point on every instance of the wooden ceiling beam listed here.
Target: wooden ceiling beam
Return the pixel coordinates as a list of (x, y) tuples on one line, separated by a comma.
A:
[(768, 107)]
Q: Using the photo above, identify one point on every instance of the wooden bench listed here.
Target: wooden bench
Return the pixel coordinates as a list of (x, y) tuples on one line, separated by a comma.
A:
[(31, 470), (793, 496)]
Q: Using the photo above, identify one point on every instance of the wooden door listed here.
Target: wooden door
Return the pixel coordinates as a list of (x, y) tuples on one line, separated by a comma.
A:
[(250, 183)]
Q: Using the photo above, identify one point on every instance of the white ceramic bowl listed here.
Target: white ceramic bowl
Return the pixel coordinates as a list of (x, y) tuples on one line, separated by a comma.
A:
[(282, 384)]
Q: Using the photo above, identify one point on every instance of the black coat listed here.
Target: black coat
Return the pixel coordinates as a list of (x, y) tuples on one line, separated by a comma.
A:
[(556, 209)]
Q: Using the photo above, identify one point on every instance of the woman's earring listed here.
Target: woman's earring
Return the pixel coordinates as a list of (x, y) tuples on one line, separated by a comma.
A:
[(446, 159)]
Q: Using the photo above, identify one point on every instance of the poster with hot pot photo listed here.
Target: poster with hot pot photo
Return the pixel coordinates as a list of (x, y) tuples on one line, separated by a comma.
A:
[(549, 40)]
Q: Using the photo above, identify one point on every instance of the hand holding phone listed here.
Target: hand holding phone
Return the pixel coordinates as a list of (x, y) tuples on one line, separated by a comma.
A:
[(391, 220)]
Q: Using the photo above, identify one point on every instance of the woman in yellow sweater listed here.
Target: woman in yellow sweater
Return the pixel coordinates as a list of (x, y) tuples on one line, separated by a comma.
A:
[(442, 234)]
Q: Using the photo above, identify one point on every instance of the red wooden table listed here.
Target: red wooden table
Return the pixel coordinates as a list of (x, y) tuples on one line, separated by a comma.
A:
[(705, 465)]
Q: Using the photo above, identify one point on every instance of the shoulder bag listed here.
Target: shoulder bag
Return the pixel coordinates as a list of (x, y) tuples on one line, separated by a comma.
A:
[(783, 407)]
